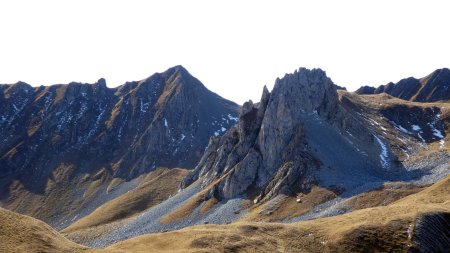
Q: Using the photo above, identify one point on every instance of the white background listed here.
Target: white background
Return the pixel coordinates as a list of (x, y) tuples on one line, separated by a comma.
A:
[(233, 47)]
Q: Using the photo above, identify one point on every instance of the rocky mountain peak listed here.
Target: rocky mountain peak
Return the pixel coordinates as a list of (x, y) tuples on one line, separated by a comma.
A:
[(180, 77), (444, 72), (164, 120), (101, 82), (265, 151), (16, 89), (304, 91)]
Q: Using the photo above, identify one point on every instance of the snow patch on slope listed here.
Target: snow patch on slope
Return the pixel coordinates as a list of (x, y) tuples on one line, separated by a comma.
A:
[(233, 118), (384, 152), (436, 132), (415, 128)]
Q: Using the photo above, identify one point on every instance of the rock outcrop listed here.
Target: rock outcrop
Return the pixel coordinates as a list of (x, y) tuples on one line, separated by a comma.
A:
[(432, 88), (268, 152)]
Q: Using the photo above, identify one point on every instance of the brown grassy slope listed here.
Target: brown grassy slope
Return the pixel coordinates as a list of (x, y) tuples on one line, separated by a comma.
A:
[(385, 195), (283, 207), (41, 206), (20, 233), (155, 187), (379, 229), (384, 100)]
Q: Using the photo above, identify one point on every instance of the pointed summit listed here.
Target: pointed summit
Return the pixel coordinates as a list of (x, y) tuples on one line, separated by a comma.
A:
[(164, 120), (269, 139)]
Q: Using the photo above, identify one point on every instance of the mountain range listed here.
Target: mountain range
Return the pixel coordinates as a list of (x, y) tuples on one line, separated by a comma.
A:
[(116, 169), (89, 138), (432, 88)]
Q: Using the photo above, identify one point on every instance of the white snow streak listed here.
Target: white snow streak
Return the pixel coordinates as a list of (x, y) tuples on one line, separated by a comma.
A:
[(384, 152), (438, 134), (415, 128), (233, 118)]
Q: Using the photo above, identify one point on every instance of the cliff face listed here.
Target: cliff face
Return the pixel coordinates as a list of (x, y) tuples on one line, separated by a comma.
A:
[(64, 133), (432, 88), (277, 145)]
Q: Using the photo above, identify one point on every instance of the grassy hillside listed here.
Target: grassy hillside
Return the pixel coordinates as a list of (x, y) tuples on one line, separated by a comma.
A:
[(20, 233), (378, 229), (154, 188), (388, 228)]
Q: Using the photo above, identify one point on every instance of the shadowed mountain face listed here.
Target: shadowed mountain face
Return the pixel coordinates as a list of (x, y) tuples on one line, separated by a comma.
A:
[(281, 143), (71, 132), (432, 88)]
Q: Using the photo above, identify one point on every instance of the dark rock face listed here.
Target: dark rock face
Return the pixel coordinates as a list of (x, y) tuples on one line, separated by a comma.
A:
[(432, 88), (268, 152), (432, 233), (340, 87), (164, 120), (424, 124), (404, 89), (365, 90), (436, 87)]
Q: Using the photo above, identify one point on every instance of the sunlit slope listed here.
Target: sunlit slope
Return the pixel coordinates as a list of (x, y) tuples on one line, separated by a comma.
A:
[(379, 229), (20, 233), (154, 188)]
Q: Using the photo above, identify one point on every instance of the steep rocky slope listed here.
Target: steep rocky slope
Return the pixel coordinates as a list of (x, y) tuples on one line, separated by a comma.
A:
[(280, 144), (96, 140), (432, 88), (306, 150)]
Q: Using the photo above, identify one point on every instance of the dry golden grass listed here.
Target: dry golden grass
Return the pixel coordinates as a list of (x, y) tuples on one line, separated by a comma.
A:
[(33, 129), (378, 229), (284, 207), (183, 211), (155, 187), (93, 187), (114, 113), (41, 206), (384, 100), (114, 182), (251, 237), (20, 233), (60, 93), (208, 205), (187, 209), (382, 196)]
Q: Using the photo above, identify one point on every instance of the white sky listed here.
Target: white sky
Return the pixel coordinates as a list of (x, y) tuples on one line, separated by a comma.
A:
[(233, 47)]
